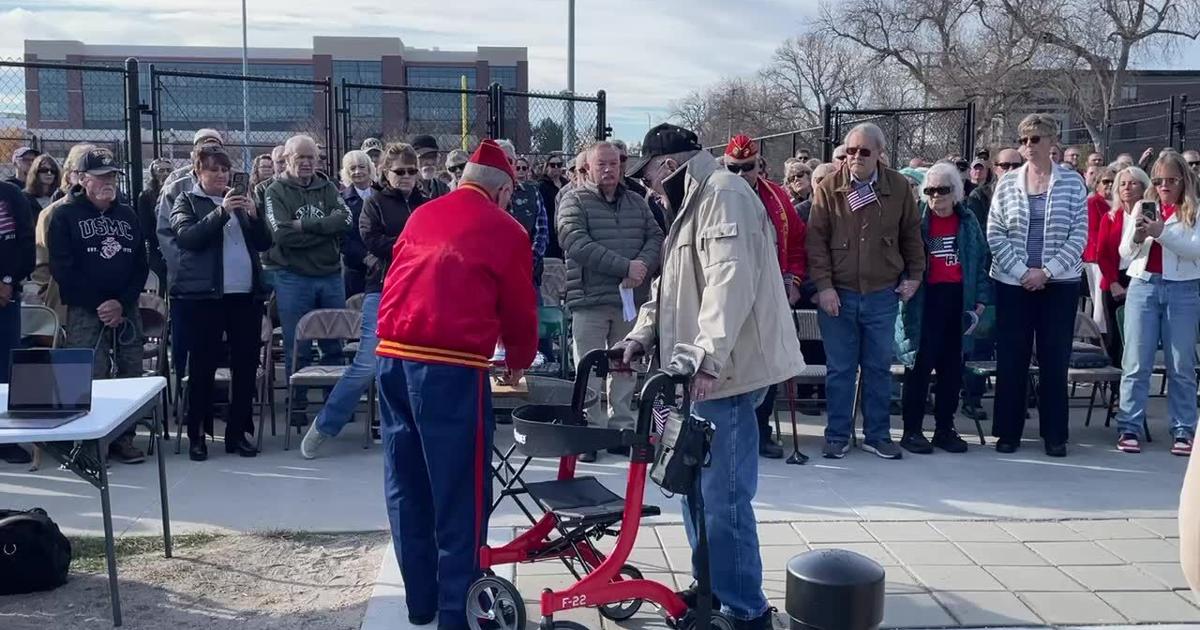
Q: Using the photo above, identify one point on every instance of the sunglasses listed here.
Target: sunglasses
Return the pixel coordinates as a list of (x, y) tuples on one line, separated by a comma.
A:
[(859, 151), (741, 168), (1193, 164), (401, 172), (937, 191), (1165, 181), (1106, 182), (522, 168), (1029, 140), (553, 164), (43, 171), (796, 178), (457, 169), (1008, 166)]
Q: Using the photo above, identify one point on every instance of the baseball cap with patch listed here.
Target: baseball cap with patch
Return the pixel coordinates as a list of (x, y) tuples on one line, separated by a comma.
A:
[(372, 144), (664, 139), (100, 162)]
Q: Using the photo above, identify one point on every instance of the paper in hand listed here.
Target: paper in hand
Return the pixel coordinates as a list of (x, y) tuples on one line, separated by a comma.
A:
[(627, 306)]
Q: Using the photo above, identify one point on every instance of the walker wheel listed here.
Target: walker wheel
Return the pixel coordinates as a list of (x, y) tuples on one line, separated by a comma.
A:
[(621, 611), (494, 602), (718, 621)]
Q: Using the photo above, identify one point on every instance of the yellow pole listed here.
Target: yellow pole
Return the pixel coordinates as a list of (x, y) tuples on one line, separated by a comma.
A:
[(463, 80)]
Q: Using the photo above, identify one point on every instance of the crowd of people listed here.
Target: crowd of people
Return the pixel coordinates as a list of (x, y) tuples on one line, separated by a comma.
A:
[(678, 254)]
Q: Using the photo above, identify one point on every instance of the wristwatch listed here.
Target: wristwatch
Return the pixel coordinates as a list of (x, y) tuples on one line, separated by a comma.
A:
[(6, 280)]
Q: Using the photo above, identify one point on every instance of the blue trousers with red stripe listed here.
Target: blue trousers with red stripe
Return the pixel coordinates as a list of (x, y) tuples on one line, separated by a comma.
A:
[(437, 428)]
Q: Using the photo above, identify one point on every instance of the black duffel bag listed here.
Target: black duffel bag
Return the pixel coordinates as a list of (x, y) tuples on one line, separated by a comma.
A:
[(34, 554)]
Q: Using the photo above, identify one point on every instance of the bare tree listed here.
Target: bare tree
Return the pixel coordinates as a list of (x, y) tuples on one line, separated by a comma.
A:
[(1095, 41), (812, 70), (956, 50)]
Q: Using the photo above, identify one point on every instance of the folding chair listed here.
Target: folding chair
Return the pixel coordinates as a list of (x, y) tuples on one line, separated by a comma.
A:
[(325, 324), (355, 302), (1088, 339), (40, 323), (153, 285)]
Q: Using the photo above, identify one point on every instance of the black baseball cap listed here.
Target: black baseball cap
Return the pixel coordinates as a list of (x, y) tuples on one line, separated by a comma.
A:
[(424, 143), (664, 139), (100, 162)]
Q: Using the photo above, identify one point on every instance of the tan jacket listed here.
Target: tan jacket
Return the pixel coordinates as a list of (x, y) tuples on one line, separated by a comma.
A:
[(47, 287), (1189, 525), (719, 295), (868, 249)]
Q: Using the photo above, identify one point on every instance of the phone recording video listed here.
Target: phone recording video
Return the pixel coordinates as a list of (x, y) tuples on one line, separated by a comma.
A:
[(240, 183)]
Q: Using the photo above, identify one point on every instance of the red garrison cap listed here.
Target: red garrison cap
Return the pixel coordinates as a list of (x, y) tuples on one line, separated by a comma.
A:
[(741, 147), (490, 154)]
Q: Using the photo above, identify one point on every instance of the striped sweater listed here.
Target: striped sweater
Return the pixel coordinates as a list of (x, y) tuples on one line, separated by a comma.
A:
[(1065, 231)]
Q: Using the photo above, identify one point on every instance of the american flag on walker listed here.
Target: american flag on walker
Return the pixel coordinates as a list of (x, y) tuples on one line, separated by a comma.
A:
[(660, 413), (861, 194)]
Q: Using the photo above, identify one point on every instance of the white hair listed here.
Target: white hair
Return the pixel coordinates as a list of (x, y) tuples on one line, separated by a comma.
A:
[(356, 158), (509, 149), (946, 173), (295, 142), (823, 170), (872, 132), (486, 177), (1126, 173)]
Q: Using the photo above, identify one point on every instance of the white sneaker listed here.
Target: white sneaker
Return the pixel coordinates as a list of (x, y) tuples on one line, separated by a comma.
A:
[(312, 441)]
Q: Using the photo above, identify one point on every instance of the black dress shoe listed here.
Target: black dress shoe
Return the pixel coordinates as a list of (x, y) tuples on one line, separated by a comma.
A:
[(198, 450), (1056, 450), (1004, 446), (241, 446)]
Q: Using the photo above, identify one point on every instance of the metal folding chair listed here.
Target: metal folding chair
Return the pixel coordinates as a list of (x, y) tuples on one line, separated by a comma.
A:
[(338, 324)]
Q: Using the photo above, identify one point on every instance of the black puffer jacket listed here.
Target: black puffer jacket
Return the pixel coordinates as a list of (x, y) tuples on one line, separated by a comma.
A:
[(383, 218), (199, 231)]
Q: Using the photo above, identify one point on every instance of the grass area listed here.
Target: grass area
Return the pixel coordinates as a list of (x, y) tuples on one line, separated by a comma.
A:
[(87, 552)]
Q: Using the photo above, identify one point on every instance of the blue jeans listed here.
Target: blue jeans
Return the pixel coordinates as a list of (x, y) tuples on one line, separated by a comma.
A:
[(1166, 311), (862, 335), (295, 296), (343, 400), (728, 486), (437, 430)]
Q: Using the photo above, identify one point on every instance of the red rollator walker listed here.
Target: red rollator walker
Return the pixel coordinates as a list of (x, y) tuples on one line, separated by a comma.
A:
[(580, 509)]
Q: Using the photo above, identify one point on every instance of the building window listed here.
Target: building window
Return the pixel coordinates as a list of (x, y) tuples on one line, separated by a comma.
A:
[(1129, 93), (366, 105), (103, 99), (506, 76), (191, 103), (52, 94), (439, 114)]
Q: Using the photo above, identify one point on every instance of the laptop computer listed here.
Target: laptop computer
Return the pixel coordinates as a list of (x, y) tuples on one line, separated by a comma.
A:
[(48, 387)]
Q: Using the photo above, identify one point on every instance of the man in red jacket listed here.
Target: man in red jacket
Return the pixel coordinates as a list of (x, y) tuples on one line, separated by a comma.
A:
[(459, 280), (742, 158)]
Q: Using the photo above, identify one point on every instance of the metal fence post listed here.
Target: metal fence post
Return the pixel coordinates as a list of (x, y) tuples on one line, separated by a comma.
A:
[(133, 127), (603, 131), (969, 132), (493, 122), (500, 130), (1183, 116), (1171, 121), (827, 134), (155, 120)]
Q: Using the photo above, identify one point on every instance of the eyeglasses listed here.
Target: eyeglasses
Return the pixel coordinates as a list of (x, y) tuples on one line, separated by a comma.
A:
[(937, 191), (522, 168), (1165, 181), (1193, 164), (44, 171), (741, 168), (401, 172), (1008, 166), (1029, 140), (859, 151), (458, 169), (553, 164), (796, 178), (1106, 182)]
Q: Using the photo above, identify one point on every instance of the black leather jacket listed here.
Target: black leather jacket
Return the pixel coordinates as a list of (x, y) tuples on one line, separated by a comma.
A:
[(199, 226)]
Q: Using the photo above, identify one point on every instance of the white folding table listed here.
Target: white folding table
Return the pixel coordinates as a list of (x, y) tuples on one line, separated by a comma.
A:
[(81, 446)]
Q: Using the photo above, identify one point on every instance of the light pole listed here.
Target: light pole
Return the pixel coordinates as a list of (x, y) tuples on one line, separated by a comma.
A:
[(569, 136), (245, 95)]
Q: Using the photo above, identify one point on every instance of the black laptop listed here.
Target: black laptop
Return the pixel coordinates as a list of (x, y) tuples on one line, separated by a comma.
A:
[(48, 387)]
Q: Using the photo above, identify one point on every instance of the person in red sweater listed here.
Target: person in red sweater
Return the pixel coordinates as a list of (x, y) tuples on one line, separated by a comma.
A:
[(458, 281), (741, 157), (1130, 186), (1097, 207)]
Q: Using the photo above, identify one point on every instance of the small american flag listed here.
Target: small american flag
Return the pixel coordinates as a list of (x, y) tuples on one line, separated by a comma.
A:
[(861, 194), (661, 413), (7, 224)]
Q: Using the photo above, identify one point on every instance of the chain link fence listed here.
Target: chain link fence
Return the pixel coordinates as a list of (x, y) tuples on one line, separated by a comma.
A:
[(54, 106), (927, 133), (278, 107), (1134, 127), (456, 118), (540, 123), (778, 147)]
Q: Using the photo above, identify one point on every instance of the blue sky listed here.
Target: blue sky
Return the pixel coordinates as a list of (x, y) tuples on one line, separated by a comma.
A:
[(642, 53)]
